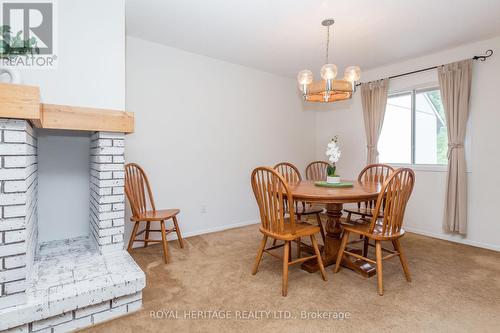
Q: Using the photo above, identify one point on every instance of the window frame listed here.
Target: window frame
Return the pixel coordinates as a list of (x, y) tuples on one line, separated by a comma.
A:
[(417, 166)]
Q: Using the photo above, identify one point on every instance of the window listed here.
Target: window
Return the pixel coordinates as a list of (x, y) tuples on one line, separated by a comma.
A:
[(414, 129)]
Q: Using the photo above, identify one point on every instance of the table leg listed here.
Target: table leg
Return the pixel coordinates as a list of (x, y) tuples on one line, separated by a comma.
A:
[(330, 250)]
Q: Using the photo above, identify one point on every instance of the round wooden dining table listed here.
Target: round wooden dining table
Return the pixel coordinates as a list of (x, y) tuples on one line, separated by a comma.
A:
[(334, 198)]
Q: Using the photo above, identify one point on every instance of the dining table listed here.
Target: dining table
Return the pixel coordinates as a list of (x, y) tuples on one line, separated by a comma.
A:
[(334, 198)]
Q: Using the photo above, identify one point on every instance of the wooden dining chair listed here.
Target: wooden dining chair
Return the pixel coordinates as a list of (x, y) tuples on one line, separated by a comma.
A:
[(317, 170), (371, 173), (271, 190), (292, 174), (136, 187), (396, 191)]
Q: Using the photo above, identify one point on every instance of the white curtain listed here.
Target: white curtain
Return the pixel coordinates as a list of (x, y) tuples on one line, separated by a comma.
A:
[(374, 100), (455, 85)]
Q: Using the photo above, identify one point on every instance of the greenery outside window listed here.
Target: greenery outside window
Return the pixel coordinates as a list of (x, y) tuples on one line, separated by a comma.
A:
[(414, 129)]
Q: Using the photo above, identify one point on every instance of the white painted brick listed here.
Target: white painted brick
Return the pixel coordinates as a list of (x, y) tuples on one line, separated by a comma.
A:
[(101, 159), (88, 310), (14, 261), (12, 224), (110, 231), (14, 124), (14, 211), (16, 161), (15, 186), (19, 329), (73, 325), (111, 248), (23, 149), (134, 306), (101, 190), (101, 143), (13, 249), (104, 208), (107, 135), (109, 314), (118, 206), (117, 222), (118, 174), (117, 238), (52, 321), (104, 240), (12, 199), (100, 151), (107, 183), (15, 236), (11, 300), (119, 159), (101, 175), (14, 136), (119, 198), (119, 143), (12, 174), (118, 190), (15, 287), (12, 274), (107, 166), (110, 215), (126, 299)]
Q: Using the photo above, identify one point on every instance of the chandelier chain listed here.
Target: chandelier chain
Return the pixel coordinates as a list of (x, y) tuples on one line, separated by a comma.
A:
[(327, 43)]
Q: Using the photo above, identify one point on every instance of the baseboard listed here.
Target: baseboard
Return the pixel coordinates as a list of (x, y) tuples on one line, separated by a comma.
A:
[(207, 230), (219, 228), (454, 239)]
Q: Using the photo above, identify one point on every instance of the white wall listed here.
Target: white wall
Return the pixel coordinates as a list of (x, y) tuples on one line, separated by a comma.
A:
[(425, 210), (90, 72), (63, 182), (91, 56), (202, 125)]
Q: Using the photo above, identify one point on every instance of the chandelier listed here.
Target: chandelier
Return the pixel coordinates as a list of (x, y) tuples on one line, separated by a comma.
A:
[(328, 89)]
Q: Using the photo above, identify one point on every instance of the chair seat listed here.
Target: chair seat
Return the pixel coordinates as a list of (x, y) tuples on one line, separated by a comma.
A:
[(364, 229), (158, 215), (363, 211), (307, 209), (301, 229)]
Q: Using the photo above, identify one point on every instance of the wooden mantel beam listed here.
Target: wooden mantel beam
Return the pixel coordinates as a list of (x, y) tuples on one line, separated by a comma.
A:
[(86, 119), (23, 102)]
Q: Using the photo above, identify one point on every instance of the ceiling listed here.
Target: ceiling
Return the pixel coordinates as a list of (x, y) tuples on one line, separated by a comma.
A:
[(285, 36)]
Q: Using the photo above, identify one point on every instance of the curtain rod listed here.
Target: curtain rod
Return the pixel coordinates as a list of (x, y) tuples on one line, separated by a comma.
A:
[(487, 54)]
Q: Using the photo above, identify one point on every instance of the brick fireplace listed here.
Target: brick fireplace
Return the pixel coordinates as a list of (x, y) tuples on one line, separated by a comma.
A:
[(70, 283)]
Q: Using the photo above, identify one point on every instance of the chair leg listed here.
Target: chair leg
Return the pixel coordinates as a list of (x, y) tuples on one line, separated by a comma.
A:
[(402, 258), (132, 236), (298, 248), (274, 242), (286, 251), (178, 231), (146, 234), (318, 217), (345, 238), (365, 246), (259, 254), (164, 241), (318, 257), (378, 252)]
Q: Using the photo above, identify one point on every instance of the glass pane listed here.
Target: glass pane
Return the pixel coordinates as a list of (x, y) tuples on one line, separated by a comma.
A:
[(431, 137), (394, 144)]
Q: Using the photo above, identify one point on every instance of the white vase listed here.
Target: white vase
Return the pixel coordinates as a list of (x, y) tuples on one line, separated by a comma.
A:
[(333, 179), (14, 76)]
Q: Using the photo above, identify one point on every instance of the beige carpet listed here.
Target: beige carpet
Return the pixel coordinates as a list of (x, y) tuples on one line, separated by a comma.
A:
[(455, 288)]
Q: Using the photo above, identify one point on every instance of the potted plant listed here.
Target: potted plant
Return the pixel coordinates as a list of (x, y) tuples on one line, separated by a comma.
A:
[(333, 152), (12, 46)]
